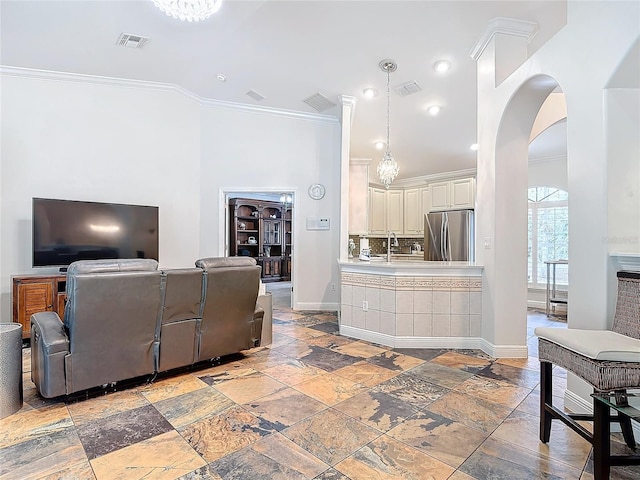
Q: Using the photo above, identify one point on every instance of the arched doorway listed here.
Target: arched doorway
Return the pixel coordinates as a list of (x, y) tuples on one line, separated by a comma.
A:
[(510, 184)]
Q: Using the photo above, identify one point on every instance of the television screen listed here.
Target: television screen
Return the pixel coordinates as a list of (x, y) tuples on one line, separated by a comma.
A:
[(65, 231)]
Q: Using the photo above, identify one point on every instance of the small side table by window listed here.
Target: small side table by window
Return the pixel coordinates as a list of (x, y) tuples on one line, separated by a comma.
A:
[(552, 297)]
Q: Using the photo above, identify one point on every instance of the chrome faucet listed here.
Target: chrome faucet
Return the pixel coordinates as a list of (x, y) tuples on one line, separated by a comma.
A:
[(395, 244)]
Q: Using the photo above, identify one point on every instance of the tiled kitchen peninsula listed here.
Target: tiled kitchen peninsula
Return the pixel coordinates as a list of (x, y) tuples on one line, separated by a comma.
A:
[(412, 304)]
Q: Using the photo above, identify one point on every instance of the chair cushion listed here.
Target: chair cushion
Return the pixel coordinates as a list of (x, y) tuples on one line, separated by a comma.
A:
[(595, 344)]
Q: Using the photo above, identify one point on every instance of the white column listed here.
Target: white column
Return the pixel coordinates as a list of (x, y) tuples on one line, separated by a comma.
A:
[(348, 108)]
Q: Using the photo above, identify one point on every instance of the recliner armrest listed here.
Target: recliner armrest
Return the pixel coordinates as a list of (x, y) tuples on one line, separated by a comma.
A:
[(50, 328), (49, 349), (256, 330)]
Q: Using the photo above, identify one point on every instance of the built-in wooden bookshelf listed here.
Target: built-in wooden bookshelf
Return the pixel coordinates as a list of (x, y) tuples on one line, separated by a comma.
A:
[(262, 230)]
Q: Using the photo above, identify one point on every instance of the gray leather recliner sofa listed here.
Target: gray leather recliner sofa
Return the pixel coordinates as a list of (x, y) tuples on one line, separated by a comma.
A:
[(126, 319)]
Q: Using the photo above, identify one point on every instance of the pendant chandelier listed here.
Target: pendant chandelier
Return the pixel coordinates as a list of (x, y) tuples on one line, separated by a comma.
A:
[(388, 168), (189, 10)]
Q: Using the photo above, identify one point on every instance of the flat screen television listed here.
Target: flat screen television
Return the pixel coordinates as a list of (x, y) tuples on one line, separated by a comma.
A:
[(67, 230)]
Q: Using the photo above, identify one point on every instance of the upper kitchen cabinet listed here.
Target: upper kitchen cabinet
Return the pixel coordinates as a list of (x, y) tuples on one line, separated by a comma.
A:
[(395, 211), (377, 211), (359, 196), (416, 204), (386, 211), (452, 195)]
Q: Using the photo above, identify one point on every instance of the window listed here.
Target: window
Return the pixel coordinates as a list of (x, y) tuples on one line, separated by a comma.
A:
[(548, 234)]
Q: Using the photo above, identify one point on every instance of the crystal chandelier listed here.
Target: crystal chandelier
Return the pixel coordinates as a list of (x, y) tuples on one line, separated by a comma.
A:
[(388, 168), (189, 10)]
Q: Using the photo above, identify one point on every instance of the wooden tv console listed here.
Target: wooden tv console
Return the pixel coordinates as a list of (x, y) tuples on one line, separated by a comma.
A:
[(37, 293)]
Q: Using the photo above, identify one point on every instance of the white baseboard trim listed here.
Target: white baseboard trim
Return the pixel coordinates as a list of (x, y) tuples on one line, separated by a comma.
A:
[(476, 343), (576, 404), (536, 304), (325, 307), (504, 351)]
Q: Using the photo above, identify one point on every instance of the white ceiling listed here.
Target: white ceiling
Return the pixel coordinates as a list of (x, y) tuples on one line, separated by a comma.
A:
[(288, 51)]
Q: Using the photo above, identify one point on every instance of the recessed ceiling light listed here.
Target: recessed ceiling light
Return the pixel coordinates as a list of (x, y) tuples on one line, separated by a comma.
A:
[(474, 146), (379, 145), (370, 92), (433, 110), (221, 77), (442, 66)]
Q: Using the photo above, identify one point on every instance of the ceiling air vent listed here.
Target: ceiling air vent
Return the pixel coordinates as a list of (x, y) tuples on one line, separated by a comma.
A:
[(132, 41), (319, 102), (255, 95), (407, 88)]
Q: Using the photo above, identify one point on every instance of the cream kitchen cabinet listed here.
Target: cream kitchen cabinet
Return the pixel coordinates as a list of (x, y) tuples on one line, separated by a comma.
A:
[(386, 211), (395, 211), (377, 211), (416, 204), (412, 211), (452, 195)]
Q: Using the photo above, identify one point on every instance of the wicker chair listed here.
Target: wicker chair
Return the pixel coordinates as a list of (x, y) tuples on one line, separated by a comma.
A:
[(609, 360)]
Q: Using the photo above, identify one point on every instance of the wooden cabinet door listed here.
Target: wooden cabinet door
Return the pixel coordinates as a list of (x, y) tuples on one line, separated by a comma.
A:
[(395, 211), (30, 298), (439, 195), (462, 193), (412, 213), (378, 211)]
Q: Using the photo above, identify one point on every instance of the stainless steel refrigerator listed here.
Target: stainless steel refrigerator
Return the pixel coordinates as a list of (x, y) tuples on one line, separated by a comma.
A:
[(449, 236)]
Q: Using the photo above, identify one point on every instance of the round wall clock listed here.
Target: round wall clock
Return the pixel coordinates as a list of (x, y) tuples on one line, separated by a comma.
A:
[(316, 191)]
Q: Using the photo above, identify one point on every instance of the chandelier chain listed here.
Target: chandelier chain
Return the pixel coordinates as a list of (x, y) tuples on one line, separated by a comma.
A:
[(388, 167), (388, 106)]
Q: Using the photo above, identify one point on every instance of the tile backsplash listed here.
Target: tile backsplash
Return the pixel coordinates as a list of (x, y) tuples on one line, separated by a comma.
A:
[(378, 245)]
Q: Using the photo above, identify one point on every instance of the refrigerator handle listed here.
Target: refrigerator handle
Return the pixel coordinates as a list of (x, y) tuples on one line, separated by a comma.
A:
[(442, 244), (442, 238), (446, 239)]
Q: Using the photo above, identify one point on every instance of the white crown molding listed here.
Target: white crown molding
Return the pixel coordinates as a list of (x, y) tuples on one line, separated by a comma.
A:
[(20, 72), (505, 26), (426, 179), (360, 161), (628, 261), (350, 102)]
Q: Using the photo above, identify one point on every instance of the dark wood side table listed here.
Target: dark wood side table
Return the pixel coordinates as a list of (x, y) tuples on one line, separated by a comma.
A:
[(603, 404)]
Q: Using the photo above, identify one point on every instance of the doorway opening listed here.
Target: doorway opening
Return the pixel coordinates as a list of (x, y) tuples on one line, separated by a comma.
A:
[(260, 225)]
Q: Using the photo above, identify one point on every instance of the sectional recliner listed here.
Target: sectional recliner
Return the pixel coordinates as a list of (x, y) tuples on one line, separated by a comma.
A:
[(126, 319)]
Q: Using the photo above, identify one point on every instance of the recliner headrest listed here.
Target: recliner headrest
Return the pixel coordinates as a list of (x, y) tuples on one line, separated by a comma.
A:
[(216, 262), (118, 265)]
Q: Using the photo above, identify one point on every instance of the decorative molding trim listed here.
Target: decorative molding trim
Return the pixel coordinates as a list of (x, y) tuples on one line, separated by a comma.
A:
[(495, 351), (360, 161), (504, 351), (19, 72), (410, 342), (505, 26), (627, 261), (349, 102), (576, 404), (322, 306), (426, 179)]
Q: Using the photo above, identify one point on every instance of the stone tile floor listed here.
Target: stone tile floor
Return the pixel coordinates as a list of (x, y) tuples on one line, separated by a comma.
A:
[(313, 405)]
